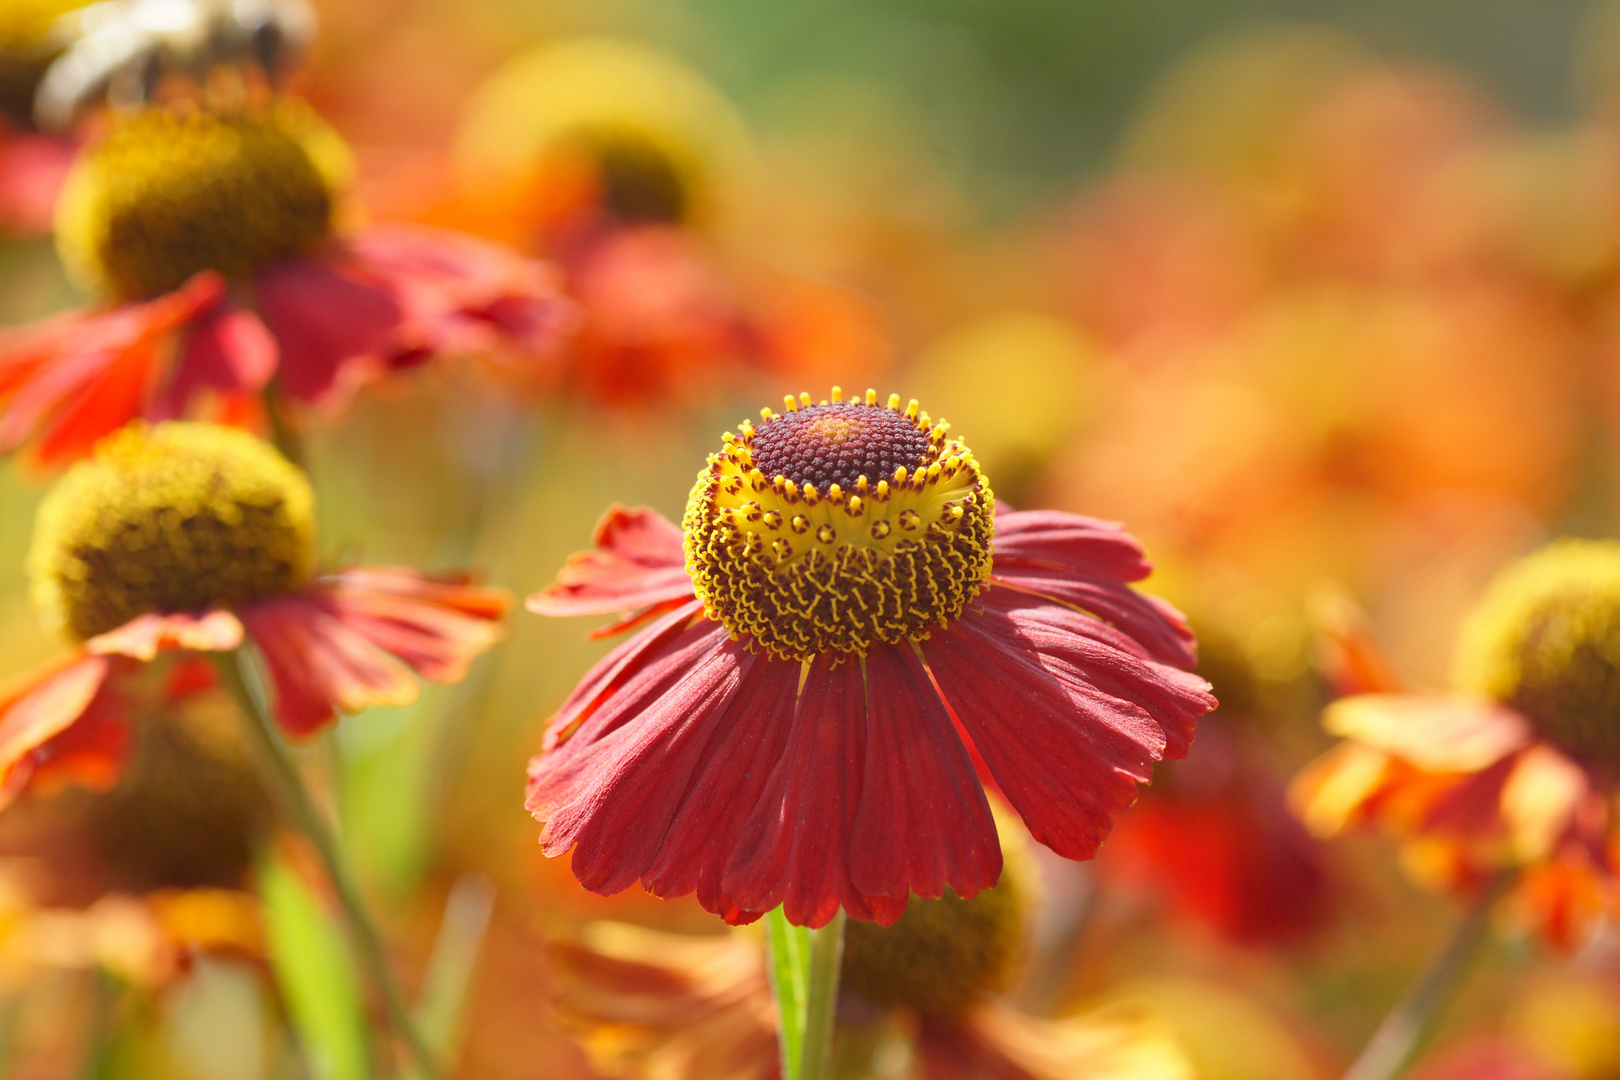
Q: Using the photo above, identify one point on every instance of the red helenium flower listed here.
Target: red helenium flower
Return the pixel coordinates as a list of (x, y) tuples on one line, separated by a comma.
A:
[(190, 538), (832, 667), (213, 240)]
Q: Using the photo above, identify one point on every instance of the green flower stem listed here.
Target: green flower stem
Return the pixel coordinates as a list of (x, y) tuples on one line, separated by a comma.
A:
[(280, 775), (821, 997), (1395, 1043)]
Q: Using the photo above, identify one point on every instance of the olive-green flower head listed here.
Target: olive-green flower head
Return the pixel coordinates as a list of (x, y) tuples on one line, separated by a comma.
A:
[(1546, 640), (179, 517)]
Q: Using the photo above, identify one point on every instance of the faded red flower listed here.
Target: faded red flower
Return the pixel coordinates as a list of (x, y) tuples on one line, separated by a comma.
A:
[(831, 668), (214, 243)]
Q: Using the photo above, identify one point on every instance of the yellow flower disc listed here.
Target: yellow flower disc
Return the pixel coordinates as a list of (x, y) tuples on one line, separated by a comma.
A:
[(837, 525), (1546, 640), (174, 518), (942, 956), (168, 193)]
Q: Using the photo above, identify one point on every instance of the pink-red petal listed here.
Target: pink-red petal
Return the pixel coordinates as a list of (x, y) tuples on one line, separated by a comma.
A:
[(437, 626), (922, 822), (319, 666), (41, 709), (333, 328), (636, 561), (143, 637), (228, 352), (1066, 753)]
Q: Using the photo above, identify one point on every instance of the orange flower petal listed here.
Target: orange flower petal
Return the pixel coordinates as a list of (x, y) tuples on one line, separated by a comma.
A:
[(1435, 733), (147, 635), (42, 710)]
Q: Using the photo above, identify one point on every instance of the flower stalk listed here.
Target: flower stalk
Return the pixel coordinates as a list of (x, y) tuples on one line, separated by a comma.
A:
[(1395, 1043), (805, 966), (280, 774), (821, 997)]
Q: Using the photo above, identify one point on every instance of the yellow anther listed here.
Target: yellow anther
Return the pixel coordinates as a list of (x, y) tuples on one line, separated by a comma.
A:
[(835, 493), (766, 414), (799, 524), (838, 393), (805, 400), (871, 396), (826, 534), (790, 403), (900, 475), (810, 495), (880, 530), (894, 402), (773, 519), (933, 472), (854, 506), (883, 491), (911, 409), (910, 519)]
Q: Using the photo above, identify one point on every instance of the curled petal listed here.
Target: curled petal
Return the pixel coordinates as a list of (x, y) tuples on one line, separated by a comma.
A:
[(998, 1043), (143, 637), (636, 561)]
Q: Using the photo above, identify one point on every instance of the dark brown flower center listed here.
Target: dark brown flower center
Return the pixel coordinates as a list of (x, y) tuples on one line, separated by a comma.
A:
[(838, 443)]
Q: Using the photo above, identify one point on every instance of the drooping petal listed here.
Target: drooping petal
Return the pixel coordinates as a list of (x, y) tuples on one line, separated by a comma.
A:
[(436, 625), (228, 352), (1088, 563), (460, 294), (615, 670), (636, 561), (922, 822), (333, 329), (319, 665), (735, 766), (792, 849), (73, 379), (40, 709), (1433, 732), (91, 752), (613, 806), (143, 637), (1063, 721)]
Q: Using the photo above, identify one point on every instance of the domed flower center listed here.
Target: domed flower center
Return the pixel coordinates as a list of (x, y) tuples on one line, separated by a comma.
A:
[(174, 518), (635, 179), (167, 194), (1546, 640), (838, 525), (942, 956)]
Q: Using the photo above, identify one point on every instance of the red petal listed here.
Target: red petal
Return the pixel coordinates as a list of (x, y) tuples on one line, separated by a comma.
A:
[(922, 822), (734, 767), (229, 351), (437, 627), (1087, 563), (1039, 701), (333, 329), (612, 799), (319, 665), (75, 379), (460, 294), (616, 669), (43, 708), (145, 636), (792, 848), (637, 561)]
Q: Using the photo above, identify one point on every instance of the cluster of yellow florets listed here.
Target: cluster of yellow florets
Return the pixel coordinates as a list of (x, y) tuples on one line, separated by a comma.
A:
[(178, 517), (839, 525), (170, 193), (1546, 640)]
